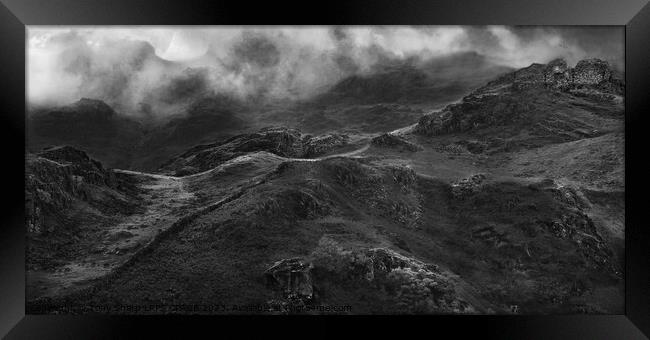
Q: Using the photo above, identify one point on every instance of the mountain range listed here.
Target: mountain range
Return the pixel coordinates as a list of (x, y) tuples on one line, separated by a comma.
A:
[(394, 95)]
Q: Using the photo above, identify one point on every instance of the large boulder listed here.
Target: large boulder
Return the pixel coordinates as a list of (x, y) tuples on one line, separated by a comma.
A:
[(467, 186), (292, 277)]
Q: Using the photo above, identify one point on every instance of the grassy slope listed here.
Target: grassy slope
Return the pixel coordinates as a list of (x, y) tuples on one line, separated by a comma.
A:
[(220, 256)]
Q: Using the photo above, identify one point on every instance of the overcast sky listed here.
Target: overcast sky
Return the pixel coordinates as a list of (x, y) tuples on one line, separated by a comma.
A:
[(128, 64)]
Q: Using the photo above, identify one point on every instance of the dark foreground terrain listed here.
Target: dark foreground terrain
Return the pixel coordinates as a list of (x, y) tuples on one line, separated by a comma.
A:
[(509, 200)]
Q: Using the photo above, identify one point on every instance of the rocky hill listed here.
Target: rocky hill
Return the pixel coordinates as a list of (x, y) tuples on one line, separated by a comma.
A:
[(409, 82), (68, 194), (549, 102), (88, 124), (283, 142)]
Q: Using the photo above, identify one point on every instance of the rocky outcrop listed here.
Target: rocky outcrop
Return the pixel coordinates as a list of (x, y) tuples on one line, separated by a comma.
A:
[(80, 164), (280, 141), (49, 188), (530, 76), (558, 75), (319, 145), (591, 72), (57, 177), (292, 203), (285, 142), (66, 192), (474, 146), (579, 228), (575, 225), (467, 186), (475, 112), (412, 286), (388, 140)]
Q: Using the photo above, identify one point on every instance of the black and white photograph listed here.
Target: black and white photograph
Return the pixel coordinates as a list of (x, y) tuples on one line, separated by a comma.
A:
[(355, 170)]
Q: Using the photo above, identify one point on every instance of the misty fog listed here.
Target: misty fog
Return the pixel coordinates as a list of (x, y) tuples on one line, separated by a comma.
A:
[(156, 71)]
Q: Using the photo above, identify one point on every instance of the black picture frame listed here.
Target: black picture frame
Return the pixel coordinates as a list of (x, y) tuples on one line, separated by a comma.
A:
[(15, 15)]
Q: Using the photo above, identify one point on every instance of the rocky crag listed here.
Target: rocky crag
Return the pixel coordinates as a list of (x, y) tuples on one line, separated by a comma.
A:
[(64, 190), (529, 105), (281, 141)]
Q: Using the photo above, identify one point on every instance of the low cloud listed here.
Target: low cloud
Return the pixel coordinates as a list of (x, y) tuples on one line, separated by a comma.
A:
[(157, 71)]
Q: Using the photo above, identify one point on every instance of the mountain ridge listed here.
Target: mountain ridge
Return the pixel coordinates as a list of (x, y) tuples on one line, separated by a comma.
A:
[(506, 202)]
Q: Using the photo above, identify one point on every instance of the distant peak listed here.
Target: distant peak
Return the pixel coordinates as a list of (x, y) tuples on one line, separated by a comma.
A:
[(63, 149), (93, 105), (557, 61), (65, 153), (90, 102)]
